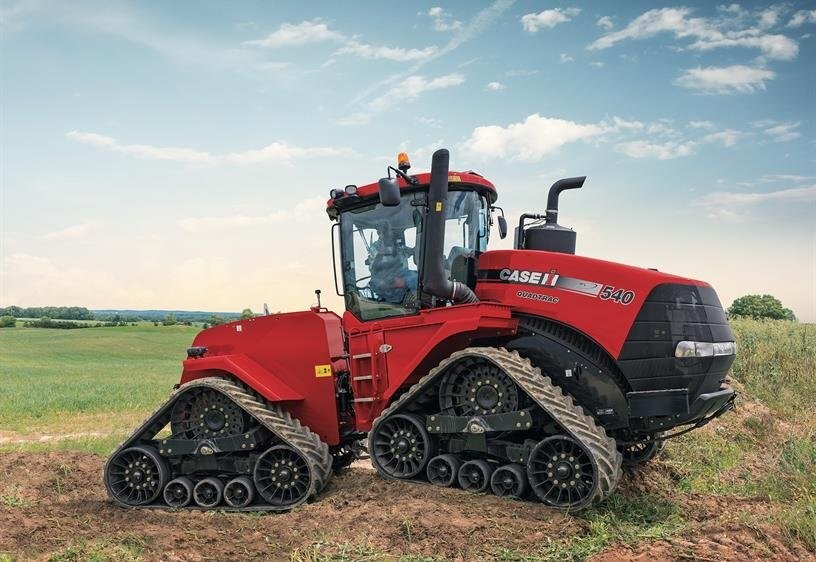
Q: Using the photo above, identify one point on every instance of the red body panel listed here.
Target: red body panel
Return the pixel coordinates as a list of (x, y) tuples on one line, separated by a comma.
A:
[(579, 283), (283, 358), (388, 354)]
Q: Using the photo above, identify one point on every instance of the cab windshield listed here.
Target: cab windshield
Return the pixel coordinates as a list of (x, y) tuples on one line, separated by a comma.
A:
[(381, 250)]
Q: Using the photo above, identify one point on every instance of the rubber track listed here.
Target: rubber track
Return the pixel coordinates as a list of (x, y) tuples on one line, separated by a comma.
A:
[(280, 422), (551, 398)]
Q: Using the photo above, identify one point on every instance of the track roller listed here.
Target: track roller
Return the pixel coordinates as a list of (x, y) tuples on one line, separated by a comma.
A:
[(178, 492), (239, 492), (208, 492), (509, 481), (474, 476), (136, 476), (443, 470)]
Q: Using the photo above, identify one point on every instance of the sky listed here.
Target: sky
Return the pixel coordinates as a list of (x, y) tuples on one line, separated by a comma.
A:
[(179, 155)]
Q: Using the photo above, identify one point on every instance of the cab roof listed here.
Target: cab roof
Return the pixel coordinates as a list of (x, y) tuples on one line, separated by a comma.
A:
[(456, 180)]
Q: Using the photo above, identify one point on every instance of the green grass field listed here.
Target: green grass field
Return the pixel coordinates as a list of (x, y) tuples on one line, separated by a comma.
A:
[(94, 385), (87, 380)]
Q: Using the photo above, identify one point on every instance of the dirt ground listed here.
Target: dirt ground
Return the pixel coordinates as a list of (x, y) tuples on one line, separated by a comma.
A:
[(54, 508)]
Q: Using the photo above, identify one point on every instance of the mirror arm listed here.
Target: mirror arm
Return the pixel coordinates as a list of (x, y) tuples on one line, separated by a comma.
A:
[(410, 179)]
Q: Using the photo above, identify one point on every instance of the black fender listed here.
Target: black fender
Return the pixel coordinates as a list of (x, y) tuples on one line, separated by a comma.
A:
[(578, 366)]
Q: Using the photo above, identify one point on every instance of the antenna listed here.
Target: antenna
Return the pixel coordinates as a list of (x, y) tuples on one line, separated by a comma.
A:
[(266, 309), (317, 293)]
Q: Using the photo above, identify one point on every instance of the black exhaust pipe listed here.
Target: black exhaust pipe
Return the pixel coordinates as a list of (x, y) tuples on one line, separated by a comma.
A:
[(434, 280), (555, 191)]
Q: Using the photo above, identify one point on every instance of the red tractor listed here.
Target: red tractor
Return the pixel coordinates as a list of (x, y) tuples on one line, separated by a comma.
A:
[(532, 373)]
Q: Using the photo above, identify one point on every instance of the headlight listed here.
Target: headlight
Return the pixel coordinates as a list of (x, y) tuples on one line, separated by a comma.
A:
[(705, 349)]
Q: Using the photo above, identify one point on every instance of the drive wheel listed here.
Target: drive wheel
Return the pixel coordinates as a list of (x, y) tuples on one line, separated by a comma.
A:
[(562, 473), (474, 476), (282, 476), (136, 476), (204, 413), (509, 481), (443, 470), (400, 446), (476, 386)]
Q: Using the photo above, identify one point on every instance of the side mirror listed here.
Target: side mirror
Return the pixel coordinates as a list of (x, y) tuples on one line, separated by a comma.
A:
[(389, 192), (502, 227)]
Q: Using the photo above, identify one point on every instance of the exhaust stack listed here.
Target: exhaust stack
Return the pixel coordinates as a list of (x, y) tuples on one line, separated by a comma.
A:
[(549, 236), (434, 281)]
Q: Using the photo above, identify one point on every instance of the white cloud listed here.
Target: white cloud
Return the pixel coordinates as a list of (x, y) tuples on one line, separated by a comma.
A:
[(596, 64), (277, 152), (802, 17), (477, 24), (725, 80), (727, 198), (769, 17), (412, 87), (785, 177), (529, 140), (305, 32), (305, 210), (495, 86), (724, 215), (708, 125), (662, 151), (727, 137), (71, 232), (707, 33), (772, 46), (605, 22), (783, 132), (548, 18), (564, 57), (443, 21), (376, 52)]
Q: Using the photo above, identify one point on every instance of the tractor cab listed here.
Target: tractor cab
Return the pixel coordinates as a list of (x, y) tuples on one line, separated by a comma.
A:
[(394, 237)]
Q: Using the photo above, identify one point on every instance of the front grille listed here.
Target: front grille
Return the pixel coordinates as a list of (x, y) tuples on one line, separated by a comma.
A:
[(673, 313)]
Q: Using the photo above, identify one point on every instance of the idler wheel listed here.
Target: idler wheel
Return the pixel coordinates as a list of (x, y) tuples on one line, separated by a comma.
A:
[(282, 476), (401, 446), (136, 476), (562, 473)]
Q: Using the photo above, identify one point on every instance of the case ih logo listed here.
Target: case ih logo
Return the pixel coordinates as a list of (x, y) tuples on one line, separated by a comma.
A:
[(531, 277), (554, 280)]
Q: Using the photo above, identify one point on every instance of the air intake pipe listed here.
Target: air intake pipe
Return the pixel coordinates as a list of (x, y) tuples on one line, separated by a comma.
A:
[(434, 280)]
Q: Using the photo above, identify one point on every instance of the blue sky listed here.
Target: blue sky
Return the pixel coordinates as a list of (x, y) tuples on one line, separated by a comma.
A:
[(176, 155)]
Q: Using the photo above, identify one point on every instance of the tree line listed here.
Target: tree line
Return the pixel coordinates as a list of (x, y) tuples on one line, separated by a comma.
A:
[(53, 312)]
